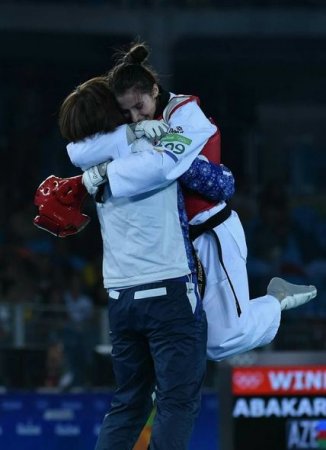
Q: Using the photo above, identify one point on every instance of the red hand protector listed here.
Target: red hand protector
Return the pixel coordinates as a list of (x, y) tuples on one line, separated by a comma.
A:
[(59, 201)]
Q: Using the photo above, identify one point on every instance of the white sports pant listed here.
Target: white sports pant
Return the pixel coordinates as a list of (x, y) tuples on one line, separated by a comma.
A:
[(229, 334)]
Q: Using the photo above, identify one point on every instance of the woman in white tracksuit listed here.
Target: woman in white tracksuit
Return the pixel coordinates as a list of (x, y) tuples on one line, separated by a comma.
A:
[(157, 323), (235, 323)]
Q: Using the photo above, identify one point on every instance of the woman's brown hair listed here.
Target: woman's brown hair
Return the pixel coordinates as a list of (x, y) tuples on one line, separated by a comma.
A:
[(132, 72), (91, 108)]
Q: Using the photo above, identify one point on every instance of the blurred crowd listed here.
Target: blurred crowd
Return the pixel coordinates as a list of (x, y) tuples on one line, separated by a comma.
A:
[(60, 278), (65, 275), (286, 240)]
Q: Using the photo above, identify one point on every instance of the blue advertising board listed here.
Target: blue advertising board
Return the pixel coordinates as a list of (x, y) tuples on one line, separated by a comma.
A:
[(35, 421)]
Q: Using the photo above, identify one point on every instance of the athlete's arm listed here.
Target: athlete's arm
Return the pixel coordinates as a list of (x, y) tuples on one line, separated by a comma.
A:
[(213, 181), (101, 147), (145, 171), (133, 174)]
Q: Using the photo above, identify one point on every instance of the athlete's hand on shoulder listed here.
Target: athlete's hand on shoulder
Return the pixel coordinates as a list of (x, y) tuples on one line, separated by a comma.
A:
[(154, 130), (94, 177)]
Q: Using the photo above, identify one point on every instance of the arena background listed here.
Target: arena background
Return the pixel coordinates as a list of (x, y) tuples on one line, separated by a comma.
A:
[(259, 67)]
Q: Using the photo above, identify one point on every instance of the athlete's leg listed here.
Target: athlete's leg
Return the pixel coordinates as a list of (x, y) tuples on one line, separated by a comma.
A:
[(228, 332)]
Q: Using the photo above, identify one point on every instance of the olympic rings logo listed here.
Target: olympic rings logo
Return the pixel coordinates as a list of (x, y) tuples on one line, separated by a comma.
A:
[(248, 380)]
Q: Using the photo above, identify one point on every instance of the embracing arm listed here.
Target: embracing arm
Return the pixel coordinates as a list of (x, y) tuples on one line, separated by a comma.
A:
[(103, 147), (136, 173), (100, 148), (153, 169), (213, 181)]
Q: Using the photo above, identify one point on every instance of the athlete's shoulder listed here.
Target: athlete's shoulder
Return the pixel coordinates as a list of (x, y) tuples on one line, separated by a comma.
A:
[(176, 102)]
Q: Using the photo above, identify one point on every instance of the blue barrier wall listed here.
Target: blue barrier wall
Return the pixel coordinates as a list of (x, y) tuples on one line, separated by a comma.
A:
[(71, 421)]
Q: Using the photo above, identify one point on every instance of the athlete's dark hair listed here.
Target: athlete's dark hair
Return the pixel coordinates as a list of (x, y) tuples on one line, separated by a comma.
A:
[(131, 71), (91, 108)]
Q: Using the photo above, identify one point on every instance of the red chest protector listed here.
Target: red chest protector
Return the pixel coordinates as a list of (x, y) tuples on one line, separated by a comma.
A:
[(195, 203)]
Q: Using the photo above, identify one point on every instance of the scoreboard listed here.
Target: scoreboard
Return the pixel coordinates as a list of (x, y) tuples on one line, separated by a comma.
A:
[(279, 406)]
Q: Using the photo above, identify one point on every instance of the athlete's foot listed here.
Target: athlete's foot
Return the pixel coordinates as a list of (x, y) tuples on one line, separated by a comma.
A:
[(290, 295)]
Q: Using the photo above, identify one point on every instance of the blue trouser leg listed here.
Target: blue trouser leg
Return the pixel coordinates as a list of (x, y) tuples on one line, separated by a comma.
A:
[(133, 368), (131, 404), (166, 334), (178, 348)]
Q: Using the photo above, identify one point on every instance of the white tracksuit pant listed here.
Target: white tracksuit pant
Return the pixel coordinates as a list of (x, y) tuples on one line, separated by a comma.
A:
[(229, 334)]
